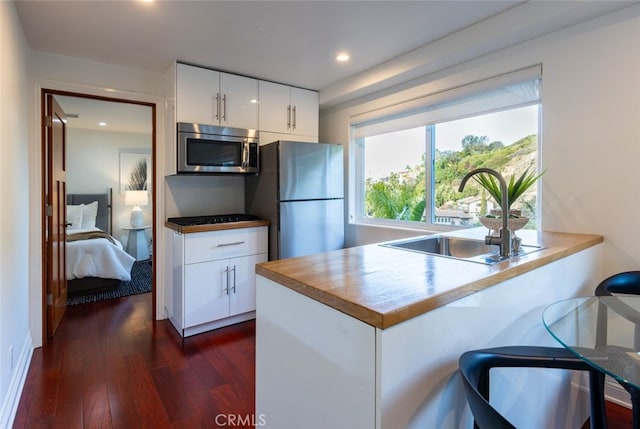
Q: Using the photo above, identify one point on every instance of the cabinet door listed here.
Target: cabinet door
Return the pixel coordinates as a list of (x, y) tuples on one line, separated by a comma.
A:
[(275, 102), (239, 101), (242, 288), (197, 89), (305, 113), (206, 295)]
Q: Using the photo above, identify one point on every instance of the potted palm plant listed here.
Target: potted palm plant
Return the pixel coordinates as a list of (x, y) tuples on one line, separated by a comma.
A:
[(516, 187)]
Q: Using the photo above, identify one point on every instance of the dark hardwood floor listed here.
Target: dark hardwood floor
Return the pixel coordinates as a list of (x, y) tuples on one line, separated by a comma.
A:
[(618, 417), (111, 366)]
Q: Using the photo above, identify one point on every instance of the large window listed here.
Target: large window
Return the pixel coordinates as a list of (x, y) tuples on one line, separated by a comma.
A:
[(410, 164)]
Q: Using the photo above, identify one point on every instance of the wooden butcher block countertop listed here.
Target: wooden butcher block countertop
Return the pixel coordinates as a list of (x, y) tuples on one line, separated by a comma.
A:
[(215, 226), (382, 286)]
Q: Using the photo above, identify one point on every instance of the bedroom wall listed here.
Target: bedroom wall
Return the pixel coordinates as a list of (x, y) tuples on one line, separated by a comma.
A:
[(589, 142), (93, 166), (15, 91)]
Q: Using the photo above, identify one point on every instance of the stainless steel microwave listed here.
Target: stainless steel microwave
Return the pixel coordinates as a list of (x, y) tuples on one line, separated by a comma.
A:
[(211, 149)]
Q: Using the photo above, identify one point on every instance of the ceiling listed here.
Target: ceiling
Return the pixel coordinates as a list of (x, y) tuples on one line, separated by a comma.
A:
[(87, 113), (294, 42)]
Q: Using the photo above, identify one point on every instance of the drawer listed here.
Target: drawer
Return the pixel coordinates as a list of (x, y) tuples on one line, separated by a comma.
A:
[(212, 245)]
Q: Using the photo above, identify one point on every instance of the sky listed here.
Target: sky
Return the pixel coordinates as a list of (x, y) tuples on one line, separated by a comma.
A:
[(382, 157)]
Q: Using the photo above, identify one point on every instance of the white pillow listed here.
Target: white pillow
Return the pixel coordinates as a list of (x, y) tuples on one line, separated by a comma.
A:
[(74, 217), (89, 213)]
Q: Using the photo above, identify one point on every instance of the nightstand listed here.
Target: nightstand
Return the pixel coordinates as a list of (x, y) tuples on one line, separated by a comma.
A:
[(137, 243)]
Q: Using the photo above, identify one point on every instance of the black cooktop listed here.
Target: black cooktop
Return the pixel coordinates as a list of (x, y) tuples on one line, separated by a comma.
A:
[(211, 219)]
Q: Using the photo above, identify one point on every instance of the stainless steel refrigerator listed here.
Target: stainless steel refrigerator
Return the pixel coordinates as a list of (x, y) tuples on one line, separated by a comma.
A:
[(300, 189)]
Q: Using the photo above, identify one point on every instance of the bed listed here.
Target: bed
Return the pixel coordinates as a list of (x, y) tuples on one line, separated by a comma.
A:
[(95, 260)]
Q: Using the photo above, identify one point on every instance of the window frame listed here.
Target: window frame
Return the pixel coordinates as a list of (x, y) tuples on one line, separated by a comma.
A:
[(387, 113)]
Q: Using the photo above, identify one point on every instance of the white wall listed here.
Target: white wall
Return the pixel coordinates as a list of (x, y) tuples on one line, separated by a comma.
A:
[(15, 342), (204, 195), (589, 142), (93, 166)]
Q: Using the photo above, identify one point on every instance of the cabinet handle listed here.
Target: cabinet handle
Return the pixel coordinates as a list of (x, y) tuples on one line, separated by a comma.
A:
[(294, 118), (235, 243), (224, 107), (289, 116), (226, 271), (234, 278), (217, 106)]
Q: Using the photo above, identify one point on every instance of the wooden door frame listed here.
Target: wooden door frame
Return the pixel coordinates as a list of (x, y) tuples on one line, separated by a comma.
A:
[(43, 172)]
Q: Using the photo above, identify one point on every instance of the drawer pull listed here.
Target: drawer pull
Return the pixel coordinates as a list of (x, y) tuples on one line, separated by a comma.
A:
[(235, 243)]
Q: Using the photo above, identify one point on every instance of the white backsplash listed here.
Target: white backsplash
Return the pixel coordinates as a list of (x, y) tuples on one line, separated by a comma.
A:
[(192, 195)]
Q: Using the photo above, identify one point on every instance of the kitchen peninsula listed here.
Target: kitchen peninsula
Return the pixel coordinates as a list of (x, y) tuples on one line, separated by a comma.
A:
[(369, 337)]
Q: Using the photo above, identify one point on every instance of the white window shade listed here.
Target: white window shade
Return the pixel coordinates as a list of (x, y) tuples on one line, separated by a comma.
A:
[(508, 91)]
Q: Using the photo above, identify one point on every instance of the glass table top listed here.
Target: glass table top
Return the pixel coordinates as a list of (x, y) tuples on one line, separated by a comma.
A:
[(603, 331)]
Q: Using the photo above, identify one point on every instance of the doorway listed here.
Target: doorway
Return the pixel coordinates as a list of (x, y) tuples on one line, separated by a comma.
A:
[(105, 136)]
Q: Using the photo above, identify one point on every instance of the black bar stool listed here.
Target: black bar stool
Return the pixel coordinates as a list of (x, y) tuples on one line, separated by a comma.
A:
[(475, 366)]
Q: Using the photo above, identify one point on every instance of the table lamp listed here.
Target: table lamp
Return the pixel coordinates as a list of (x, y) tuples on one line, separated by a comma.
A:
[(136, 199)]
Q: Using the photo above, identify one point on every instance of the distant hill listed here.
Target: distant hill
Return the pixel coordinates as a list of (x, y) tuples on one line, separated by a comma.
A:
[(508, 160)]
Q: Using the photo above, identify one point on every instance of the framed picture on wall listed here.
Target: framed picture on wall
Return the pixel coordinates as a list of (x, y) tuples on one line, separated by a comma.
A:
[(135, 171)]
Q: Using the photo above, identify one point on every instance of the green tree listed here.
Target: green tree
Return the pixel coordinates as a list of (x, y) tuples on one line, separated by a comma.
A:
[(471, 144), (396, 197)]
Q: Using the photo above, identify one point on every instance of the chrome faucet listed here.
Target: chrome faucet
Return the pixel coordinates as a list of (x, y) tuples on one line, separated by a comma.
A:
[(504, 240)]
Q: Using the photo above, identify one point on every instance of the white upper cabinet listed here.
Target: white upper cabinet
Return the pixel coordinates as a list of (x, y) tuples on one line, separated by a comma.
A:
[(206, 96), (305, 113), (239, 101), (288, 110)]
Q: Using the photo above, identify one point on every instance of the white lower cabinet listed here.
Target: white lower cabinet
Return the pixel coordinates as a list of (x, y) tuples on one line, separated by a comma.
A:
[(214, 281), (218, 289)]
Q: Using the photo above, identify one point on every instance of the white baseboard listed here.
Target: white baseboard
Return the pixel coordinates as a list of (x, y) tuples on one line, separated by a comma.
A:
[(18, 378), (218, 324), (615, 393)]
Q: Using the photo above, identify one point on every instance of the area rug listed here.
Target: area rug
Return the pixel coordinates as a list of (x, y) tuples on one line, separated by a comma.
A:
[(140, 283)]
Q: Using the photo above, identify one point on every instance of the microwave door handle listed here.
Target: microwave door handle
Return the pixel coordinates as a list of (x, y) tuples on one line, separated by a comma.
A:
[(245, 153)]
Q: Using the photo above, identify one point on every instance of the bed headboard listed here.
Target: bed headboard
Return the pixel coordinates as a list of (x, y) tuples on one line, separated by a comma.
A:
[(103, 218)]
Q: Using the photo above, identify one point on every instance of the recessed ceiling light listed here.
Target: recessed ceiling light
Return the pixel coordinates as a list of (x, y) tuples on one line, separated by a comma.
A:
[(342, 57), (102, 124)]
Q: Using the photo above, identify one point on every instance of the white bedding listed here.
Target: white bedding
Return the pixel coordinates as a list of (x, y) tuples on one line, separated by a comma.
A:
[(97, 257)]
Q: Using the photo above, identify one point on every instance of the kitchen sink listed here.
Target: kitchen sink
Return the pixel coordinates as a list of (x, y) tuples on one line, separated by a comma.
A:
[(465, 249)]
